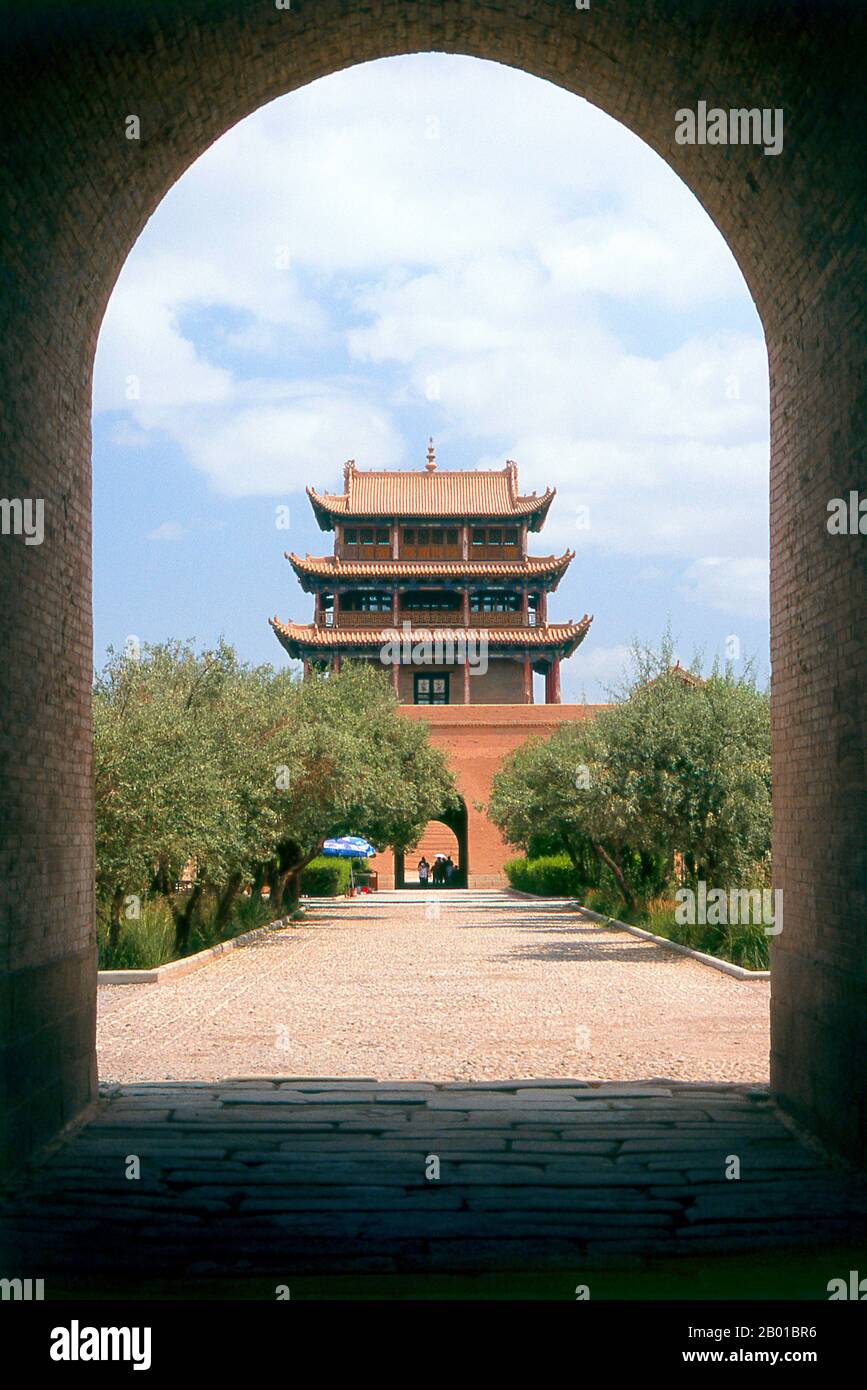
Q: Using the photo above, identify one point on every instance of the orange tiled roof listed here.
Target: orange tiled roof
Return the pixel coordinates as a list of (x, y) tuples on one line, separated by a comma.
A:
[(332, 567), (295, 637), (680, 673), (430, 493)]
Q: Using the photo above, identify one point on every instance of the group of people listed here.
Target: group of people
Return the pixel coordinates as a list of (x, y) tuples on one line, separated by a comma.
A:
[(441, 874)]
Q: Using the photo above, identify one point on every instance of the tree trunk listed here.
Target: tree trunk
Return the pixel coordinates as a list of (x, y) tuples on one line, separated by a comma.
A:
[(115, 922), (570, 850), (276, 885), (184, 920), (628, 895), (226, 900), (160, 882), (293, 878)]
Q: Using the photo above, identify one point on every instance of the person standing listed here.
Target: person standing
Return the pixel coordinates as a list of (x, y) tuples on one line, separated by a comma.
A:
[(423, 871), (450, 871)]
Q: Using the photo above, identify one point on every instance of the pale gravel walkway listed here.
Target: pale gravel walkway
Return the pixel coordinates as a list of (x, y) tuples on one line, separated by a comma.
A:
[(492, 987)]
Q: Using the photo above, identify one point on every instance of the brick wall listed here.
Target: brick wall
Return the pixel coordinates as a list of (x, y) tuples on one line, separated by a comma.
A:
[(501, 684), (475, 740), (75, 194)]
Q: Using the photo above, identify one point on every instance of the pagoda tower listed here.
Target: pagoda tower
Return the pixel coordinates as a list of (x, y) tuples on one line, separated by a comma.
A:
[(430, 578)]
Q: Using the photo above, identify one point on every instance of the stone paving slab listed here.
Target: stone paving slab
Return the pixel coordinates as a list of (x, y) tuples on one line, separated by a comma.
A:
[(350, 1190)]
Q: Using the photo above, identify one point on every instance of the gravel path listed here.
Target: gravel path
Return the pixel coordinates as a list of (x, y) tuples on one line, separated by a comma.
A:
[(449, 987)]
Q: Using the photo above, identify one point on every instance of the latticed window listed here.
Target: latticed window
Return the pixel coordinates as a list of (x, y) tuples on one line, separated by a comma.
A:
[(373, 602), (495, 538), (434, 600), (431, 690), (495, 603)]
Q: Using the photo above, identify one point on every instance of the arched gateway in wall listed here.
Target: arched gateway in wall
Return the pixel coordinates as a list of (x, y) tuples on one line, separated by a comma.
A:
[(76, 193), (447, 835)]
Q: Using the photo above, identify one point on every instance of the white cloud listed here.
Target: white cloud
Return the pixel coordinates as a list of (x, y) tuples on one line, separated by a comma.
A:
[(606, 665), (736, 586), (129, 436), (167, 531), (277, 438), (439, 220)]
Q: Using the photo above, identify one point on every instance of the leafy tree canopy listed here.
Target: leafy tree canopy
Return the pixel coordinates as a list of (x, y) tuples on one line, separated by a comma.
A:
[(678, 764), (246, 771)]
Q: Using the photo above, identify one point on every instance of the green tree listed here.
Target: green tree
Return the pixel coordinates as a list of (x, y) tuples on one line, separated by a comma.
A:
[(246, 771), (349, 764), (679, 764)]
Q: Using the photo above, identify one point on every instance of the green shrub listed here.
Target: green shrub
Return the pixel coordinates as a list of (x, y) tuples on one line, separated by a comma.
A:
[(327, 878), (148, 941), (550, 875), (742, 943), (605, 898), (145, 941)]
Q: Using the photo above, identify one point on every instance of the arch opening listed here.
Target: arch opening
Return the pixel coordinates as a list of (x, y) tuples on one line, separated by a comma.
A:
[(444, 838), (804, 270)]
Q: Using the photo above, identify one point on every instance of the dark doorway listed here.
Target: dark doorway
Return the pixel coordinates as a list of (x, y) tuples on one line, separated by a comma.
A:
[(452, 826)]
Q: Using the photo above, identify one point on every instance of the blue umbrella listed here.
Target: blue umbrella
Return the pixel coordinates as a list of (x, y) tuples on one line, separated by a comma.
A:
[(348, 847)]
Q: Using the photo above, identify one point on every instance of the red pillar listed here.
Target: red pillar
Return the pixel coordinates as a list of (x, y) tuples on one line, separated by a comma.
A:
[(395, 679), (528, 680), (555, 681), (306, 668), (335, 663), (465, 619)]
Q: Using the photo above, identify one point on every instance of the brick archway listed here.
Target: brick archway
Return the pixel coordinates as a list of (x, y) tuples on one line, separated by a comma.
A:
[(446, 833), (76, 193)]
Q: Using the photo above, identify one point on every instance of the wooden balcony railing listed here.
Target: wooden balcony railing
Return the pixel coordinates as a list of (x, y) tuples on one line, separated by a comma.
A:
[(497, 620), (430, 552), (364, 552), (347, 619), (427, 618), (431, 617)]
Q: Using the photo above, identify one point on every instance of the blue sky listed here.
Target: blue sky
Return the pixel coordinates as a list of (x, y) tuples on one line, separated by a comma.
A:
[(432, 245)]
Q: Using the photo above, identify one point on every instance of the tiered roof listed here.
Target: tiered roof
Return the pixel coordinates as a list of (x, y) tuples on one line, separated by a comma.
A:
[(295, 637), (432, 494), (331, 567), (437, 496)]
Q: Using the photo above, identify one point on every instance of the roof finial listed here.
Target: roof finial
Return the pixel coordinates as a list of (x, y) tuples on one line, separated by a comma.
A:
[(431, 456)]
